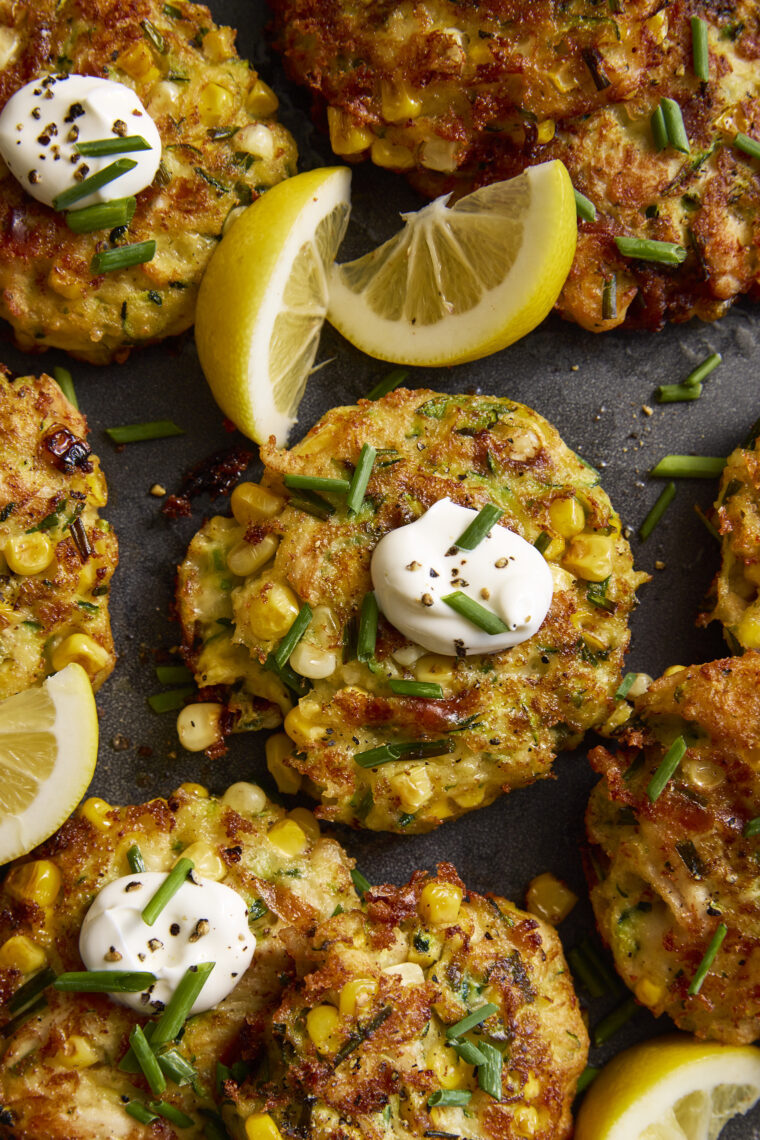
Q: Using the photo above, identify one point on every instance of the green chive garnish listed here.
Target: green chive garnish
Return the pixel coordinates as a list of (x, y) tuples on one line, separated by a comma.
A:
[(706, 523), (101, 216), (403, 750), (180, 1003), (65, 382), (367, 636), (146, 1059), (176, 1068), (173, 674), (659, 131), (662, 252), (674, 125), (316, 483), (625, 686), (172, 1114), (360, 478), (703, 370), (288, 676), (752, 827), (388, 383), (24, 994), (16, 1022), (124, 256), (474, 534), (135, 860), (138, 433), (666, 497), (171, 700), (587, 1077), (704, 966), (473, 612), (689, 467), (293, 636), (152, 33), (416, 689), (584, 972), (104, 981), (614, 1021), (98, 147), (542, 542), (609, 298), (446, 1097), (312, 504), (469, 1053), (489, 1075), (748, 145), (584, 207), (477, 1017), (167, 890), (140, 1112), (699, 53), (676, 393), (87, 186), (666, 769), (361, 883)]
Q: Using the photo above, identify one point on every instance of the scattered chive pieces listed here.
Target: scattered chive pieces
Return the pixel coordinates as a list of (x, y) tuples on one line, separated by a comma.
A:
[(703, 370), (152, 33), (65, 382), (748, 145), (176, 1067), (172, 1114), (699, 53), (366, 638), (676, 393), (140, 1112), (167, 890), (429, 689), (659, 131), (180, 1003), (388, 383), (146, 1059), (473, 612), (403, 750), (707, 523), (135, 860), (644, 249), (98, 147), (609, 1025), (609, 298), (469, 1053), (689, 467), (583, 970), (87, 186), (666, 497), (123, 256), (104, 981), (171, 700), (293, 636), (312, 504), (24, 994), (704, 966), (360, 478), (445, 1097), (752, 827), (666, 769), (584, 207), (587, 1077), (316, 483), (677, 137), (288, 676), (477, 1017), (173, 674), (542, 542), (16, 1022), (489, 1075), (138, 433), (625, 686), (474, 534), (361, 883)]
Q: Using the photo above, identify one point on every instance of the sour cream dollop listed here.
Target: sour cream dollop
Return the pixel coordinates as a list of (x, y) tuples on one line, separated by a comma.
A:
[(415, 566), (204, 921), (43, 121)]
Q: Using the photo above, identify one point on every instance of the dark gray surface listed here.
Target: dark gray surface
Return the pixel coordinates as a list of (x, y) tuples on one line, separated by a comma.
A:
[(592, 388)]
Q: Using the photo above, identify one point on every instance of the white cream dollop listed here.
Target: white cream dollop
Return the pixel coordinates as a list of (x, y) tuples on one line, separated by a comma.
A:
[(415, 566), (42, 122), (204, 921)]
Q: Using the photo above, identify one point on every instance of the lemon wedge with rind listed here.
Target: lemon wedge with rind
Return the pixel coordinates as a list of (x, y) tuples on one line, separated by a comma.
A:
[(671, 1088), (263, 300), (48, 750), (460, 282)]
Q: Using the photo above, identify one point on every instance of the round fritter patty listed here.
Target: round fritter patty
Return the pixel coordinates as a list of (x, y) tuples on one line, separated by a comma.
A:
[(362, 1045), (56, 555), (221, 149), (59, 1074), (735, 594), (504, 715), (670, 874), (461, 94)]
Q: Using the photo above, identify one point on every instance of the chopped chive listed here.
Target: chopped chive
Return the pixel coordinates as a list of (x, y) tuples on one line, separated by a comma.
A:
[(367, 636), (172, 1114), (350, 634), (699, 53), (360, 478), (167, 890), (180, 1003), (625, 686), (146, 1059), (135, 860), (752, 827), (361, 883), (663, 252), (542, 542), (101, 216), (292, 680), (469, 1053), (584, 207), (446, 1097), (65, 382), (173, 674), (403, 750), (388, 383), (474, 534), (28, 1012), (666, 497), (171, 700), (703, 370), (140, 1112), (666, 768), (308, 506), (609, 298), (584, 971), (587, 1077), (659, 131), (704, 966), (104, 981), (293, 636), (316, 483), (689, 467), (707, 523), (138, 433), (473, 612), (123, 256), (614, 1021), (24, 994), (748, 145), (674, 125), (177, 1068), (152, 33), (489, 1075), (609, 980), (477, 1017), (98, 147), (417, 689), (676, 393), (87, 186)]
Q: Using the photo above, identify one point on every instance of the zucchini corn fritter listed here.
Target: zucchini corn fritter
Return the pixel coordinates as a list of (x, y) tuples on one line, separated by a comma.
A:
[(670, 876), (366, 1045), (221, 149), (56, 555), (462, 94), (59, 1074), (504, 715)]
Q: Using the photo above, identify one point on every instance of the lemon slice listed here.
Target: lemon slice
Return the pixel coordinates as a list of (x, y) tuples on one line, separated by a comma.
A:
[(263, 299), (459, 283), (48, 749), (672, 1088)]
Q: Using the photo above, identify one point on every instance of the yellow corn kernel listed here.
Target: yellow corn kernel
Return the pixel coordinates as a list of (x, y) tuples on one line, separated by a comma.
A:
[(252, 503), (271, 609), (556, 548), (278, 748), (589, 556), (96, 812), (81, 648), (450, 1070), (440, 154), (410, 973), (439, 809), (412, 787), (300, 726), (549, 898), (594, 642), (247, 558), (260, 1126), (563, 79), (424, 949), (138, 62), (439, 902), (38, 882), (703, 773), (525, 1121), (77, 1053), (322, 1024), (207, 861), (567, 517), (398, 102), (198, 725), (748, 629), (391, 155), (288, 837), (217, 45), (622, 713), (307, 821), (434, 667), (261, 100), (215, 103), (671, 669), (479, 52), (312, 662), (346, 136), (19, 953), (65, 283), (545, 130), (29, 553), (355, 995), (531, 1088), (657, 25), (199, 791), (470, 798), (248, 799), (648, 992)]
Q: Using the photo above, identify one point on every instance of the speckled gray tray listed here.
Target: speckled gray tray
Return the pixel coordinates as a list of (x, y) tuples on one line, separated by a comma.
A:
[(594, 389)]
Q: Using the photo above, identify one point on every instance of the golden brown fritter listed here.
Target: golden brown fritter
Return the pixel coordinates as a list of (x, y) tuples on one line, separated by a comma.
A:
[(459, 94), (59, 1074), (503, 716), (670, 874), (56, 555), (221, 149), (358, 1048)]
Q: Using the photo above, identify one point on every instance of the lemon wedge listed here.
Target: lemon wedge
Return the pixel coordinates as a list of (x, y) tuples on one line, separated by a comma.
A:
[(48, 749), (263, 299), (672, 1088), (459, 283)]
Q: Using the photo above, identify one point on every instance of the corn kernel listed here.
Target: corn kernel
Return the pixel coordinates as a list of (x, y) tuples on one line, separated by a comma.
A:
[(549, 898), (622, 713), (271, 608), (198, 725), (199, 791), (307, 821), (288, 837), (525, 1121), (391, 155), (215, 103), (96, 812), (20, 953), (278, 748), (29, 553), (398, 102), (545, 130), (671, 669), (589, 556), (246, 558), (412, 787), (703, 773), (479, 52), (531, 1088), (555, 549), (301, 729), (439, 809), (77, 1053), (38, 882), (657, 25), (346, 136), (248, 799), (439, 902), (410, 973), (65, 283), (434, 667), (440, 154), (261, 100), (217, 45), (207, 861), (322, 1024), (450, 1070), (648, 992), (80, 648), (312, 662), (252, 503), (470, 798), (563, 78), (567, 517), (748, 629), (355, 995), (138, 62), (260, 1126)]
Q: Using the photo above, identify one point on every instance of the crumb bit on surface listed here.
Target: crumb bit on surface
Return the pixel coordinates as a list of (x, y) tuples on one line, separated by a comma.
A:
[(158, 490), (647, 410), (659, 565), (426, 600), (120, 743), (575, 367)]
